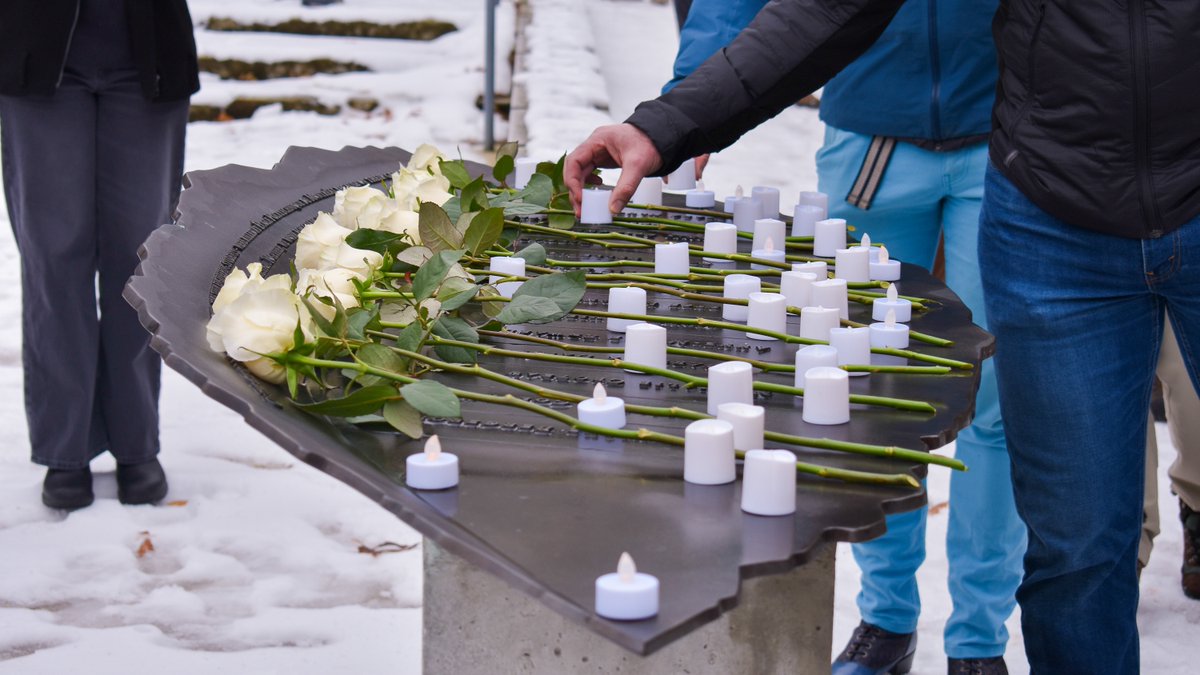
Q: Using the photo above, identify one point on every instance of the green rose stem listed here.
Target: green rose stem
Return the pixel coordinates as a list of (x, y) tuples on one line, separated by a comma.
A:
[(632, 434), (679, 209), (765, 366), (675, 411), (689, 380)]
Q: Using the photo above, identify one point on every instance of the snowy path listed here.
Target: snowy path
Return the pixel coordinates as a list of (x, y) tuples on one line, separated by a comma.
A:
[(260, 570)]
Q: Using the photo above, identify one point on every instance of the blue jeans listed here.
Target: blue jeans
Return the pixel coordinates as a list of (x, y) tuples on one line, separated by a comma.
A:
[(923, 195), (1078, 318)]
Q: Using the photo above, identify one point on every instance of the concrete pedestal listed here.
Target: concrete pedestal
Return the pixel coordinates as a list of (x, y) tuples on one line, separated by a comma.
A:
[(476, 624)]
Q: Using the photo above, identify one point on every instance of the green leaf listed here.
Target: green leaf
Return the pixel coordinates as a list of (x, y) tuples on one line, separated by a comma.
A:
[(403, 418), (453, 209), (379, 241), (540, 190), (562, 221), (456, 172), (362, 402), (474, 194), (512, 208), (293, 379), (564, 289), (432, 398), (455, 293), (534, 254), (357, 320), (453, 328), (529, 309), (427, 279), (504, 167), (378, 356), (409, 339), (508, 149), (554, 171), (437, 230), (484, 231), (323, 324)]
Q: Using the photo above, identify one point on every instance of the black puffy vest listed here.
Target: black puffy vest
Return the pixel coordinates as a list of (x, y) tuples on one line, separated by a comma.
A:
[(1097, 116)]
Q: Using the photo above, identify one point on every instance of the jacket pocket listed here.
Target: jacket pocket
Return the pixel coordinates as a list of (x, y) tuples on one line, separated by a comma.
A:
[(1030, 82)]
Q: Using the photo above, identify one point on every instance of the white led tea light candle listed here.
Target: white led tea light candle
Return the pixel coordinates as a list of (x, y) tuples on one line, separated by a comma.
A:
[(699, 198), (602, 410), (866, 243), (768, 229), (814, 356), (819, 268), (593, 209), (720, 238), (671, 258), (769, 482), (730, 382), (853, 347), (816, 322), (708, 454), (625, 301), (767, 311), (506, 266), (767, 252), (683, 178), (768, 201), (885, 269), (893, 303), (649, 191), (745, 212), (804, 219), (646, 345), (853, 264), (817, 199), (826, 396), (733, 199), (523, 170), (738, 287), (431, 469), (832, 293), (830, 235), (749, 423), (627, 594), (797, 288), (889, 334)]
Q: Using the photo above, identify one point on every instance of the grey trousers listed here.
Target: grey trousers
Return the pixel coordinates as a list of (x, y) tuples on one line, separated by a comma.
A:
[(88, 173)]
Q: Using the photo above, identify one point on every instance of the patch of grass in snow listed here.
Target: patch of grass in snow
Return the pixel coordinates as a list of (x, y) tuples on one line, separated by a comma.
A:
[(426, 29), (237, 69)]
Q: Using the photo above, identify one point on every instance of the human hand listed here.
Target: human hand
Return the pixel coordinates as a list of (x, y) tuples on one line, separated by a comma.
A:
[(609, 147)]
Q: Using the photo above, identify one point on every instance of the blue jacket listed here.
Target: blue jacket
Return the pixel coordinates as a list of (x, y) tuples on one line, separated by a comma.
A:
[(931, 75)]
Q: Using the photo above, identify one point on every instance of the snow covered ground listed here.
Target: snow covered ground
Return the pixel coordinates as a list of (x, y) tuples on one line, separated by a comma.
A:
[(255, 565)]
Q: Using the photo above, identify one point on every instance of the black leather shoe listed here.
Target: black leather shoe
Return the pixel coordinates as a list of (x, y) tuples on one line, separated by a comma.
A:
[(144, 483), (875, 651), (68, 489), (991, 666)]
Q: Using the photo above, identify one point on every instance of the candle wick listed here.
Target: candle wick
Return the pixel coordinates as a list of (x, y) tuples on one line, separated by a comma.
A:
[(433, 449), (599, 393), (626, 569)]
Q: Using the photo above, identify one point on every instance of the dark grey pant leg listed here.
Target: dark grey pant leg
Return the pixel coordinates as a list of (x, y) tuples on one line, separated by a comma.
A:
[(139, 164), (89, 172)]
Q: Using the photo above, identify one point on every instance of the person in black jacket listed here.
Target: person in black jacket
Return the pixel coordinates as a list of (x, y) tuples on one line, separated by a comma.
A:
[(93, 109), (1090, 228)]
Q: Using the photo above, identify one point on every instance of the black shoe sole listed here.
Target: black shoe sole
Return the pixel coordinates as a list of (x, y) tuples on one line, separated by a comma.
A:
[(904, 665), (140, 500), (66, 504)]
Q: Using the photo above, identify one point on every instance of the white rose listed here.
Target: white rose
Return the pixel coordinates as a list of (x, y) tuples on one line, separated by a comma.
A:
[(258, 323), (426, 157), (356, 207), (402, 222), (332, 283), (319, 243), (267, 369), (360, 262), (414, 187)]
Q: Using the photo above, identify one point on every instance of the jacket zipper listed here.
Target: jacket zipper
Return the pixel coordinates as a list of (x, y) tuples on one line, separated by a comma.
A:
[(1141, 121), (70, 36), (935, 68)]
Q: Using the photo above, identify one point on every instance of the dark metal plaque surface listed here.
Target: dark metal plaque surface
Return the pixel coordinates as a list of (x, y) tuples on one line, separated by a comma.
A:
[(539, 506)]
